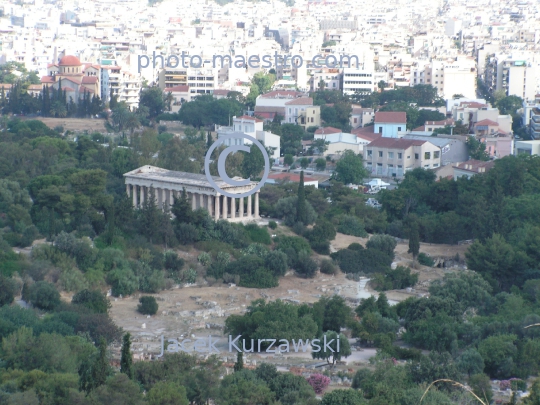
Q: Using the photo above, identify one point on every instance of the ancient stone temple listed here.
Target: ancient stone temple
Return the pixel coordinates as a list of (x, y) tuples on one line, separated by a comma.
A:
[(168, 184)]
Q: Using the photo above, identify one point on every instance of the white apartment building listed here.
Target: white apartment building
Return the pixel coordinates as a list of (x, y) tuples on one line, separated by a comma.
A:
[(358, 80), (126, 85), (199, 80), (253, 127), (516, 76)]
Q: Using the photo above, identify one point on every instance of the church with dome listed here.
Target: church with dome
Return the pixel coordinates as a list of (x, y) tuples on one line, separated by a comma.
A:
[(74, 77)]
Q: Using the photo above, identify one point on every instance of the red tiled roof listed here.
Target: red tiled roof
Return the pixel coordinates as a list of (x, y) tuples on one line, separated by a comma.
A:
[(395, 143), (290, 176), (69, 60), (366, 133), (475, 165), (327, 130), (394, 117), (180, 89), (266, 115), (301, 101), (6, 85), (472, 104), (47, 79), (487, 122), (247, 117), (89, 79)]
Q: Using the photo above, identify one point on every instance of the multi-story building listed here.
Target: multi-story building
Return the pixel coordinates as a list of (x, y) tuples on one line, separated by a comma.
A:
[(246, 125), (390, 124), (361, 116), (330, 77), (358, 80), (394, 157), (200, 80), (517, 77), (125, 85), (268, 105), (296, 108)]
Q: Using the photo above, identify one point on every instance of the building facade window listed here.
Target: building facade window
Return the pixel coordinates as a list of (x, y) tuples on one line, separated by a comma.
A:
[(416, 156), (436, 154), (427, 155), (390, 155), (370, 153), (400, 155), (380, 154)]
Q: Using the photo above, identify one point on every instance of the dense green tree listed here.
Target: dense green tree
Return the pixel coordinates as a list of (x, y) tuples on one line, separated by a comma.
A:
[(167, 393), (93, 299), (239, 365), (414, 240), (301, 209), (147, 305), (498, 353), (253, 162), (43, 295), (153, 99), (95, 370), (118, 390), (350, 169), (126, 359), (343, 397), (336, 351), (7, 288)]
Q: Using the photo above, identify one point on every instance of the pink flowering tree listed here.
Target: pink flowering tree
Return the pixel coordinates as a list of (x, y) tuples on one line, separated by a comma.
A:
[(319, 382)]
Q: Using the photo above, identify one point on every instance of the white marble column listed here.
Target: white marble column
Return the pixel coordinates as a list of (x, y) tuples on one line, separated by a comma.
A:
[(172, 196), (193, 201), (167, 198), (209, 204), (233, 208), (249, 211), (218, 210), (128, 187), (225, 206), (134, 194), (201, 200), (142, 190), (241, 201), (257, 204)]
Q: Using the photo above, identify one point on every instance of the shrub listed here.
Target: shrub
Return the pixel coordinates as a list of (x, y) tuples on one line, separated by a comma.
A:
[(204, 258), (147, 305), (355, 246), (7, 287), (123, 281), (189, 276), (328, 267), (384, 243), (396, 279), (322, 247), (425, 260), (258, 234), (351, 225), (319, 382), (299, 228), (276, 262), (305, 266), (44, 296), (272, 224), (173, 262), (95, 300), (259, 278)]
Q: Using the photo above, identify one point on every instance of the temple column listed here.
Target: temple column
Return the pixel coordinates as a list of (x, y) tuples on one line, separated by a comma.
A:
[(142, 190), (233, 208), (257, 204), (128, 187), (172, 196), (241, 201), (201, 200), (167, 197), (134, 194), (217, 212), (157, 195), (209, 204), (193, 201), (249, 206), (225, 206)]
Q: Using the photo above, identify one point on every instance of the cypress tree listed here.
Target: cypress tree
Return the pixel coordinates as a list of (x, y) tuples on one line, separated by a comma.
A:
[(126, 361), (414, 240), (181, 209), (301, 211), (239, 365), (150, 215), (94, 372)]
